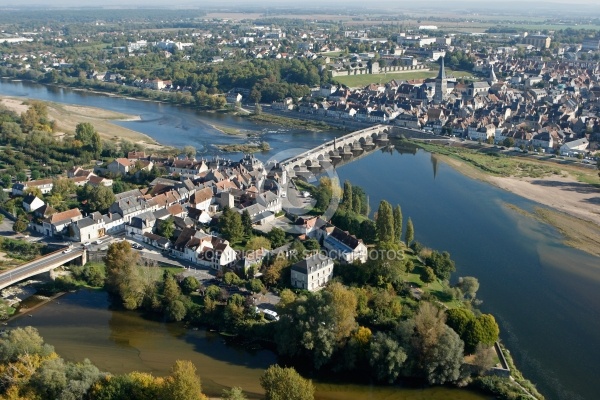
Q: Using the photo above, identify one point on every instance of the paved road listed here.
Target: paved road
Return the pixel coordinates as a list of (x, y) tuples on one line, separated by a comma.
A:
[(30, 268)]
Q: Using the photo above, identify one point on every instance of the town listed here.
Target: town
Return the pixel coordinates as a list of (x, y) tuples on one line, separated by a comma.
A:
[(219, 235)]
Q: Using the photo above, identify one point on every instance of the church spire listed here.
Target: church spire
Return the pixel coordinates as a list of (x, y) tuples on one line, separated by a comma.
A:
[(442, 73), (493, 78)]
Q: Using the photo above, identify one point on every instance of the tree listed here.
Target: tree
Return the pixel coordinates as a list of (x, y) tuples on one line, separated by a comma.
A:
[(323, 194), (286, 384), (385, 223), (100, 198), (20, 224), (398, 222), (441, 263), (469, 286), (272, 273), (189, 151), (409, 235), (258, 242), (20, 341), (347, 196), (247, 223), (458, 319), (166, 228), (428, 275), (184, 384), (277, 237), (63, 187), (84, 132), (230, 225), (444, 359), (368, 231), (508, 142), (386, 358), (122, 274), (484, 358), (190, 284), (235, 393)]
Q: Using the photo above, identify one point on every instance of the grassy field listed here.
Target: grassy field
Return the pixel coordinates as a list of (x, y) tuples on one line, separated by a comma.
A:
[(364, 80)]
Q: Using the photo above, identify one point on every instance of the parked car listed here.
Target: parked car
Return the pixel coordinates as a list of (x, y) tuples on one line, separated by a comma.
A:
[(67, 250)]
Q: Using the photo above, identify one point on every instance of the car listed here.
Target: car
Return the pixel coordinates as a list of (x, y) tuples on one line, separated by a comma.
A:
[(99, 241), (67, 250), (87, 244)]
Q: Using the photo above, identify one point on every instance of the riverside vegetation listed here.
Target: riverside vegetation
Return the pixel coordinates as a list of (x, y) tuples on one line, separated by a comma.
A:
[(392, 319)]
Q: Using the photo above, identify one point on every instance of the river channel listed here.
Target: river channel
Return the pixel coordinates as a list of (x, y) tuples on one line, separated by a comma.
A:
[(545, 295)]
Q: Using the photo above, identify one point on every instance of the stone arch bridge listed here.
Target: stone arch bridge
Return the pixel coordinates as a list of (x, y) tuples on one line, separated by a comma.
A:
[(342, 148)]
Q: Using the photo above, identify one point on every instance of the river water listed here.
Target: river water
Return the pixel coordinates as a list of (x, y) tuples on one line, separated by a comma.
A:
[(545, 295)]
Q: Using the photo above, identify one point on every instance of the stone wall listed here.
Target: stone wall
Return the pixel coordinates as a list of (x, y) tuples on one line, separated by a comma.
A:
[(376, 70)]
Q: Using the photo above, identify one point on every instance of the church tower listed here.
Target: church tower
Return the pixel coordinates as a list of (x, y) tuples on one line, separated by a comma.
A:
[(493, 78), (441, 85)]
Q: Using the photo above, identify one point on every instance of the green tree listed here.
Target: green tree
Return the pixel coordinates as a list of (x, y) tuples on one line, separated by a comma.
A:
[(257, 242), (286, 384), (184, 384), (277, 237), (441, 263), (459, 319), (469, 285), (508, 142), (386, 358), (347, 196), (84, 132), (247, 223), (230, 224), (368, 231), (189, 285), (385, 223), (235, 393), (100, 198), (122, 274), (409, 235), (166, 228), (20, 224), (21, 341), (398, 222), (323, 194), (443, 361)]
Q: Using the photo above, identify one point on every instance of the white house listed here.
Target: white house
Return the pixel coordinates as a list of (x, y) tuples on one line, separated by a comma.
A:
[(32, 203), (89, 228), (343, 246), (578, 146), (312, 273)]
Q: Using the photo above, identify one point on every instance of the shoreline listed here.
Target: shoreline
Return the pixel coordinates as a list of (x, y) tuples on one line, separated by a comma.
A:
[(67, 116), (566, 204)]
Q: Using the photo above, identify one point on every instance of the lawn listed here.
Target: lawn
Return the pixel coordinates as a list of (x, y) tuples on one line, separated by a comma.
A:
[(364, 80)]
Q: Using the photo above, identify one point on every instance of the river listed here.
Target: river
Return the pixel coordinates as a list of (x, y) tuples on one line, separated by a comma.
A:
[(544, 294), (82, 325)]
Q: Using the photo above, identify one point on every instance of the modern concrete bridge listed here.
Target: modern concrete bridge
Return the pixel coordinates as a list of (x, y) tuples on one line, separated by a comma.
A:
[(342, 148), (41, 265)]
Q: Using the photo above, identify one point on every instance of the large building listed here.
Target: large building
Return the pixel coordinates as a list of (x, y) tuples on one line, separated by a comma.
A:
[(539, 41), (441, 85), (592, 44), (312, 273)]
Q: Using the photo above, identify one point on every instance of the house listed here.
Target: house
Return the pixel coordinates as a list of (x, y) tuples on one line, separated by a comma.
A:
[(312, 273), (269, 201), (157, 241), (343, 246), (89, 228), (253, 258), (203, 249), (141, 224), (120, 166), (44, 185), (32, 203), (58, 223), (578, 146), (201, 199)]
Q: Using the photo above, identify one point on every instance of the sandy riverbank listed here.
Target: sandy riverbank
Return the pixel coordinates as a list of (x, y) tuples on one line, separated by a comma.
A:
[(68, 116), (574, 205)]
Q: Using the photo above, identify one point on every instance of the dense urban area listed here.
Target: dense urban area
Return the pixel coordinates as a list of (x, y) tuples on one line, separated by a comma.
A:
[(247, 247)]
